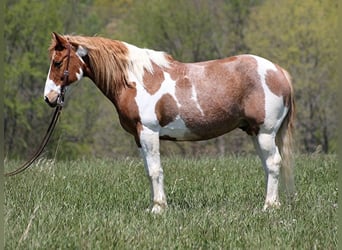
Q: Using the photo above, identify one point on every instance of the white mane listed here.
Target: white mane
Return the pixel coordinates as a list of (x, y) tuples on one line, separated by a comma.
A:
[(141, 59)]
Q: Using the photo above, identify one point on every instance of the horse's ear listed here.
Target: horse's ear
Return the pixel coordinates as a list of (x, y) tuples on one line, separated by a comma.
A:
[(60, 41), (54, 35)]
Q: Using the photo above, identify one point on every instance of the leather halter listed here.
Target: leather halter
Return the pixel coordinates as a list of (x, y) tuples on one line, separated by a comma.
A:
[(60, 98), (60, 103)]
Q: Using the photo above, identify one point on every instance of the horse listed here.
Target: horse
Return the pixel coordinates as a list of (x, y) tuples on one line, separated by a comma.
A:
[(160, 98)]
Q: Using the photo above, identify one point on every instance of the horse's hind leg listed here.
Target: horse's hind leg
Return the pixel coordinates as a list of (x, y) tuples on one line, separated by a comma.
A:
[(268, 152), (149, 141)]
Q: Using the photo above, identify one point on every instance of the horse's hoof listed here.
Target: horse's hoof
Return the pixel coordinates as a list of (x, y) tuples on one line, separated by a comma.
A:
[(158, 208), (271, 205)]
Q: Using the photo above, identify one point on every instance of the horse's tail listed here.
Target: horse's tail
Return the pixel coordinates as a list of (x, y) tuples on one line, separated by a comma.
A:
[(285, 142)]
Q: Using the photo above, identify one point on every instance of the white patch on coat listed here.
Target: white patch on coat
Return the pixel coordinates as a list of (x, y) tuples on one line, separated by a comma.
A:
[(79, 74), (176, 129), (50, 85), (139, 61), (195, 99), (147, 104), (275, 110), (81, 51)]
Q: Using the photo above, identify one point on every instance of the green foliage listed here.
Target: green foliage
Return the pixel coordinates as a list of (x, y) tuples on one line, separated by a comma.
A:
[(214, 203), (193, 30)]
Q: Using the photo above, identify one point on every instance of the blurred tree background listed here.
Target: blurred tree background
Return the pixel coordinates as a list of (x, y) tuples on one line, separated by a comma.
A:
[(300, 36)]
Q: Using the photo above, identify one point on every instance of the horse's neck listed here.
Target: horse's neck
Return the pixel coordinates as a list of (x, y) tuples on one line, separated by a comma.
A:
[(110, 85), (124, 76), (112, 92)]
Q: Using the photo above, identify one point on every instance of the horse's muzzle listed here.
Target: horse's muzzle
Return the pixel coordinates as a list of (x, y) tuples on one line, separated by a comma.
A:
[(51, 99), (51, 104)]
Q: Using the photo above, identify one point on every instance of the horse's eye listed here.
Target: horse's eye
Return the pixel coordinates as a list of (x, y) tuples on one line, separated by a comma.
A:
[(57, 64)]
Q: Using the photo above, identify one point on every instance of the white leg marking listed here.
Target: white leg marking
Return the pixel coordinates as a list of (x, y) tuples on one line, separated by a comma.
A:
[(150, 150), (275, 112), (259, 152), (271, 159)]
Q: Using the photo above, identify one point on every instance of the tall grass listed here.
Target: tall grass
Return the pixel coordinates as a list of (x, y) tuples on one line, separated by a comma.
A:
[(213, 204)]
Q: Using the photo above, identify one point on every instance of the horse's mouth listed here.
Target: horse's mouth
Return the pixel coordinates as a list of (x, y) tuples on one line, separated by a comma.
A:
[(51, 98), (51, 104)]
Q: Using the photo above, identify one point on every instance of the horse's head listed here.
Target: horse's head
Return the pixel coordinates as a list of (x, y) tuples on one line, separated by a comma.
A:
[(66, 59)]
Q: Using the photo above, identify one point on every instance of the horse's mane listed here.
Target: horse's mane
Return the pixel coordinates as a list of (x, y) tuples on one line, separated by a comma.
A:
[(110, 60), (103, 52)]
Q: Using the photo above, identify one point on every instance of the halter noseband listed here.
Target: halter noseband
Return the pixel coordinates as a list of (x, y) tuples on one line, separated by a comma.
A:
[(60, 98)]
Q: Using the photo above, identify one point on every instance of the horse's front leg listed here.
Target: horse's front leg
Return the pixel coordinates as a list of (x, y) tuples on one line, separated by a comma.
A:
[(149, 141)]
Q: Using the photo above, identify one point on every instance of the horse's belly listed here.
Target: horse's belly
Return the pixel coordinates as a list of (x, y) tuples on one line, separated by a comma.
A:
[(178, 130)]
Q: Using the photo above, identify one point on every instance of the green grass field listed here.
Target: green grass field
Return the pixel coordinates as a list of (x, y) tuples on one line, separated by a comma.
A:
[(214, 203)]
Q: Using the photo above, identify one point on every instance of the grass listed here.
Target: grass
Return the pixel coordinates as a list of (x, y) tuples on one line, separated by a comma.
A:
[(214, 203)]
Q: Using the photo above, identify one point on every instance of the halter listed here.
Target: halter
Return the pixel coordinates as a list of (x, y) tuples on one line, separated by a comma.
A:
[(60, 103), (60, 98)]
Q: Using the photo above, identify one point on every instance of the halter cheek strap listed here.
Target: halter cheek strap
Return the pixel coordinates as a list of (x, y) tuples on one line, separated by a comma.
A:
[(60, 98)]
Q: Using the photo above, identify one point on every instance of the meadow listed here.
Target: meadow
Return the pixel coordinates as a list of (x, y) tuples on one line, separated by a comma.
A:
[(214, 203)]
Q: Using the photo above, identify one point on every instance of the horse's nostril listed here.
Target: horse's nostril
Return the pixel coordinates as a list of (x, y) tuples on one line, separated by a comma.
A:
[(46, 99)]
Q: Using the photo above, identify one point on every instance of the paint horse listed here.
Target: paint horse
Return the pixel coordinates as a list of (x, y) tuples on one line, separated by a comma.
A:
[(159, 98)]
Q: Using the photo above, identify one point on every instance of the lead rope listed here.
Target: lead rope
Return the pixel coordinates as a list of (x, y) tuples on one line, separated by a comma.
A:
[(42, 144), (58, 110)]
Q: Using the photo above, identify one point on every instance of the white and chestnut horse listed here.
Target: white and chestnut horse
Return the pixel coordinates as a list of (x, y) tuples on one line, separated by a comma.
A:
[(157, 97)]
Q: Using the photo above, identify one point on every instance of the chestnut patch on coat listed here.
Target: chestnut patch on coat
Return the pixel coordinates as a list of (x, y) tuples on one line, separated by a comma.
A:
[(228, 91), (166, 110), (230, 59), (152, 81), (278, 84), (128, 110)]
